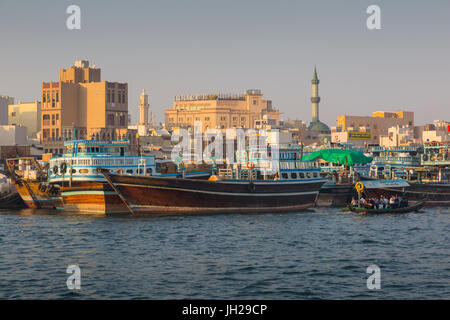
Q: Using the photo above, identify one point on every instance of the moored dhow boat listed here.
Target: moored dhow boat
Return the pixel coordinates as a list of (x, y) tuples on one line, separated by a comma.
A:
[(29, 178), (83, 189), (292, 186)]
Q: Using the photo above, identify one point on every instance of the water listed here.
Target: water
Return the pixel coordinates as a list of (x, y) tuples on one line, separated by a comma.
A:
[(320, 254)]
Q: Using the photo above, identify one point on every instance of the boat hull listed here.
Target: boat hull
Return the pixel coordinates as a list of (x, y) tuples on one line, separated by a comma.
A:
[(39, 199), (90, 197), (437, 194), (186, 196)]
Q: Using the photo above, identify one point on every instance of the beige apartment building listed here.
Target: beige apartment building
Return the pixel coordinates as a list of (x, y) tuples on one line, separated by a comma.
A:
[(81, 106), (362, 130), (26, 114), (220, 111)]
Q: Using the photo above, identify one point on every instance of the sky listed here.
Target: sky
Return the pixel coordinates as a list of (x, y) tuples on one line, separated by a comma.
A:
[(208, 46)]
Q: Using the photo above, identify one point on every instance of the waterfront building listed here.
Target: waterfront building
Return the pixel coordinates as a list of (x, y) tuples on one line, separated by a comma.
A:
[(5, 101), (12, 135), (82, 106), (27, 114), (220, 111), (439, 131), (400, 136), (358, 137), (372, 126)]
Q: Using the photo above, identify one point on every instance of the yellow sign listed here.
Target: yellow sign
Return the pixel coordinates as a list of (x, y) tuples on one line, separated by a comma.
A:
[(359, 187), (359, 135)]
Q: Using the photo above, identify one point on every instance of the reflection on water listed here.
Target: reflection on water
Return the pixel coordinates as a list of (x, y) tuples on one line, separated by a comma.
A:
[(322, 253)]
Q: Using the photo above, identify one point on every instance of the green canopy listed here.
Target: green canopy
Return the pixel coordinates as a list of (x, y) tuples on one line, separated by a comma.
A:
[(339, 156)]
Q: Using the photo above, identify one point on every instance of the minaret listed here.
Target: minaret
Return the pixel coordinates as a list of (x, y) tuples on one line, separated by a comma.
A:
[(143, 108), (315, 99)]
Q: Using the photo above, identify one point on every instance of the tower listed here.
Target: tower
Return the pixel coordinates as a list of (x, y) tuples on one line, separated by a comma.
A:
[(315, 99), (315, 124), (143, 108)]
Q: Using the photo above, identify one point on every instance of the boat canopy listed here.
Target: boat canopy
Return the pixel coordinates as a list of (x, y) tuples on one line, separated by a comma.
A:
[(339, 156), (375, 184)]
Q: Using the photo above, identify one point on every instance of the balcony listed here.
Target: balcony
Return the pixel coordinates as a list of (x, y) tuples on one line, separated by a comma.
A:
[(409, 161)]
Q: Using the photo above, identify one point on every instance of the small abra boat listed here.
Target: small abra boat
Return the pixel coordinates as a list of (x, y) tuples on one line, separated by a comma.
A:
[(415, 207)]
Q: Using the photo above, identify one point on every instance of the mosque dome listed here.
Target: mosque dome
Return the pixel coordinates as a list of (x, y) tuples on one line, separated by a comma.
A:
[(319, 127)]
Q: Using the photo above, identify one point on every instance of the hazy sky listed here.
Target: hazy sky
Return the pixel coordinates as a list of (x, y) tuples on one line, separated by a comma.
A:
[(201, 46)]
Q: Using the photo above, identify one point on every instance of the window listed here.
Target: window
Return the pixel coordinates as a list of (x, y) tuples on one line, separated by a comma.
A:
[(110, 119), (284, 175), (197, 119), (43, 97), (122, 120), (108, 96), (112, 96), (234, 118), (242, 118), (302, 175), (13, 114), (294, 175), (206, 118), (254, 101), (57, 96)]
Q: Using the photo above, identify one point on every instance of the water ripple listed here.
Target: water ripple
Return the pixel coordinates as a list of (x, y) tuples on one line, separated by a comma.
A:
[(319, 254)]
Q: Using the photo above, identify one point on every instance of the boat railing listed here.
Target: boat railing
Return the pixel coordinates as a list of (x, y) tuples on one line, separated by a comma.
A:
[(401, 159), (233, 174)]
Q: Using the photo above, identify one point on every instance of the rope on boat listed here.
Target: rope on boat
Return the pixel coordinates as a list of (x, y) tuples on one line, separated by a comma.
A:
[(407, 191)]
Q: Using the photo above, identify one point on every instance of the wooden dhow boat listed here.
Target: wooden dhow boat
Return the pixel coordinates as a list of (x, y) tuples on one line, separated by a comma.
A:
[(290, 186)]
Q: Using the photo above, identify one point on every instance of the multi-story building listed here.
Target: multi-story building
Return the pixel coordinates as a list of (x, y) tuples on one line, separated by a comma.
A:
[(27, 114), (370, 127), (81, 106), (439, 131), (400, 136), (5, 101), (11, 135), (220, 111)]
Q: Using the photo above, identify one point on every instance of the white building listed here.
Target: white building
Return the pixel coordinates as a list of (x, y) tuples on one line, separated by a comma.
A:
[(13, 135), (438, 131), (5, 101), (27, 114)]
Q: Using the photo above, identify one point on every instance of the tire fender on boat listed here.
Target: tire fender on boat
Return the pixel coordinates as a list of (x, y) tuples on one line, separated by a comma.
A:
[(251, 187)]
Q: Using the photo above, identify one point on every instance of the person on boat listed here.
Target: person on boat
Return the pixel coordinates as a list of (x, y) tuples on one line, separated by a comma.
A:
[(354, 202), (392, 201), (377, 203), (404, 202), (363, 201)]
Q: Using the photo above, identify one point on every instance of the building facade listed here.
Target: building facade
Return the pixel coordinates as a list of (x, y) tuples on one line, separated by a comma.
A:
[(5, 101), (27, 114), (220, 111), (81, 106), (370, 127), (11, 135)]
